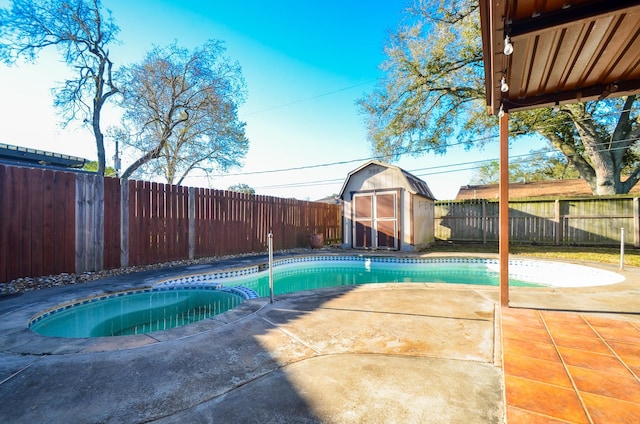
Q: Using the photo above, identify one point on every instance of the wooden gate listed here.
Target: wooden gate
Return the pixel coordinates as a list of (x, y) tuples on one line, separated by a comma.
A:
[(376, 220)]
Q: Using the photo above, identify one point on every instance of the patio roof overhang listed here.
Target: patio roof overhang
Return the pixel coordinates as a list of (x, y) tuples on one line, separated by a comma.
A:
[(564, 51)]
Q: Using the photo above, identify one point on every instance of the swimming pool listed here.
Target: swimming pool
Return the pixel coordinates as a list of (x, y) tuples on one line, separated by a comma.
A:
[(180, 301), (364, 269)]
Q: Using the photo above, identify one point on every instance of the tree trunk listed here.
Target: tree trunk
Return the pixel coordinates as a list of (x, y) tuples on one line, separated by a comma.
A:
[(95, 123), (603, 160), (605, 184), (101, 153), (152, 154)]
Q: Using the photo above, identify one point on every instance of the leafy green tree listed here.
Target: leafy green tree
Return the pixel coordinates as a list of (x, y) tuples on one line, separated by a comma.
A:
[(487, 173), (543, 165), (433, 80), (432, 92), (181, 112), (540, 165), (242, 188), (82, 32), (93, 167)]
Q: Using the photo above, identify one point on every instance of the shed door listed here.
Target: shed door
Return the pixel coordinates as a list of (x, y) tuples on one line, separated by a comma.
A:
[(376, 220)]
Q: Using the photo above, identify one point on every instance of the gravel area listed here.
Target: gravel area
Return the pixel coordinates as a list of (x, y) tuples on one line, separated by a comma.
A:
[(24, 284)]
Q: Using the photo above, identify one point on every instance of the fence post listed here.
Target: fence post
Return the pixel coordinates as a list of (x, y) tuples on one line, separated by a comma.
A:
[(484, 221), (558, 221), (82, 226), (636, 223), (89, 232), (192, 222), (124, 223), (98, 211)]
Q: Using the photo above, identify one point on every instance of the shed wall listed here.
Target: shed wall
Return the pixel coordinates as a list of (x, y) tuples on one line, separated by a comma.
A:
[(416, 214), (423, 219)]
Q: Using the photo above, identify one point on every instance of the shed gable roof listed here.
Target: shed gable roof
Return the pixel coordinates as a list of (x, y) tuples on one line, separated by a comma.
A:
[(413, 184)]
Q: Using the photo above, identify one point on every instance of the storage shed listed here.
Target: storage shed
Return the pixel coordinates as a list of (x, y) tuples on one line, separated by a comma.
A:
[(385, 207)]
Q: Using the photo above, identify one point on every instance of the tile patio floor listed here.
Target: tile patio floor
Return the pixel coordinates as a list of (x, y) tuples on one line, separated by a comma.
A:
[(570, 368)]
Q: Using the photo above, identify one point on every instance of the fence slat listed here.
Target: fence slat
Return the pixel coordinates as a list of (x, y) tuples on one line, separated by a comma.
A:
[(83, 222), (23, 218), (11, 229), (37, 222), (48, 225), (4, 223), (112, 222)]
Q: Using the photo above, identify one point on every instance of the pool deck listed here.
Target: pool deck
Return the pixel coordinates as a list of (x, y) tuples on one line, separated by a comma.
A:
[(406, 353)]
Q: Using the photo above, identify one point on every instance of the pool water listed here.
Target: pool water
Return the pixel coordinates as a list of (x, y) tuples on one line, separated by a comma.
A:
[(190, 298), (299, 277), (136, 313)]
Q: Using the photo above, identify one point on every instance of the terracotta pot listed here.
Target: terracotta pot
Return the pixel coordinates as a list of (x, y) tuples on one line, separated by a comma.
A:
[(316, 241)]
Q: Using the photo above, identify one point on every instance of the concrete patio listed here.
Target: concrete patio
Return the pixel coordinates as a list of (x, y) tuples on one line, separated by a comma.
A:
[(406, 353)]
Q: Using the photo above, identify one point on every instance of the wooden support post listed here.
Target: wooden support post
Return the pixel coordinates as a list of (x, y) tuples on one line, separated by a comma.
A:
[(504, 210)]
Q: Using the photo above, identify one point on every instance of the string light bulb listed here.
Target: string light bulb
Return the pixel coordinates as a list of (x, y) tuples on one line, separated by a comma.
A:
[(504, 87), (508, 47), (501, 112)]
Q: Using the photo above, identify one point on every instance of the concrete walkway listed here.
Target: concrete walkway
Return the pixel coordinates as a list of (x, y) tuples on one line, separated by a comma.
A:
[(406, 353)]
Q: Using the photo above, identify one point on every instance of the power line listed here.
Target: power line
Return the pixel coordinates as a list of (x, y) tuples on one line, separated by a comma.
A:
[(418, 151), (417, 172), (295, 102), (384, 157), (297, 168), (303, 184), (380, 157)]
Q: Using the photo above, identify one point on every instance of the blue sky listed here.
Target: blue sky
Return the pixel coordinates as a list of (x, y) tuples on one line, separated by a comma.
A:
[(305, 65)]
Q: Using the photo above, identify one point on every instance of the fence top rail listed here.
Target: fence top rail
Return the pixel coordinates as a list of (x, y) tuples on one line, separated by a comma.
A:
[(540, 199)]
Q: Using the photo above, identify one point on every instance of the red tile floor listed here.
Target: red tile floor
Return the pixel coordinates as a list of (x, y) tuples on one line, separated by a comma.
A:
[(570, 368)]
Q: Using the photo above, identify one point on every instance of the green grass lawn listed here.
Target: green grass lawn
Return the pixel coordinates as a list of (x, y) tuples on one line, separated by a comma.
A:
[(587, 253)]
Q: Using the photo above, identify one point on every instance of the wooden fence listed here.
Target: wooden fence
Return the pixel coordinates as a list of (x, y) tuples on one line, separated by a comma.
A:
[(54, 221), (558, 221), (37, 222)]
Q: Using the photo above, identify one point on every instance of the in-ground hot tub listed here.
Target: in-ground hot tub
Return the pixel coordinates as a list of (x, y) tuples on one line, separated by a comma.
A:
[(134, 312)]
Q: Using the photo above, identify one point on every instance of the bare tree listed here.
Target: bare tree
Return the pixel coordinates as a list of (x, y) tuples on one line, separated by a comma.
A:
[(242, 188), (81, 34), (180, 112)]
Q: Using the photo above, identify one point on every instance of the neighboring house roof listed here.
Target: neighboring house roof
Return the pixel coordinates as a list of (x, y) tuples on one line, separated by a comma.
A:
[(25, 155), (329, 199), (414, 184), (553, 188)]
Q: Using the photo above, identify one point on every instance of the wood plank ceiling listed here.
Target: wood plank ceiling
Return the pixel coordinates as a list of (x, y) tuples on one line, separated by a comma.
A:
[(564, 51)]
